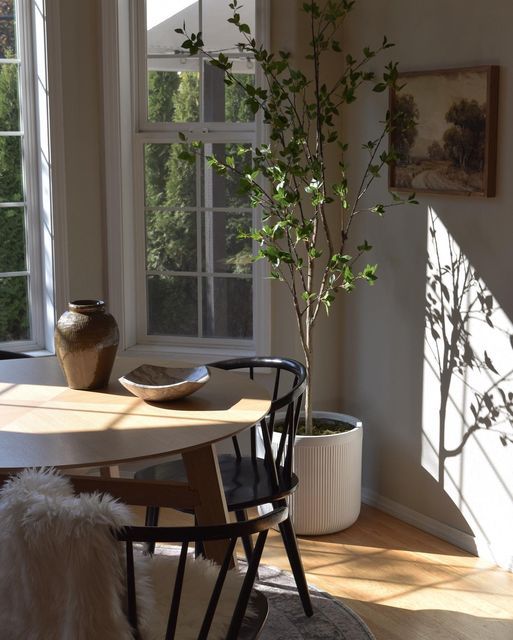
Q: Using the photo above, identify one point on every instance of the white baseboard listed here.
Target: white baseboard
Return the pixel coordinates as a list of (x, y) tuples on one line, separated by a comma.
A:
[(465, 541)]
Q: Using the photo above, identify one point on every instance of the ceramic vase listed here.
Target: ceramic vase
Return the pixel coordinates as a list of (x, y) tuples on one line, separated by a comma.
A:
[(86, 341)]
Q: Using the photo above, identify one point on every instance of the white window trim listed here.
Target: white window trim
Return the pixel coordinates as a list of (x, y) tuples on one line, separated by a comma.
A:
[(55, 232), (39, 25), (119, 131)]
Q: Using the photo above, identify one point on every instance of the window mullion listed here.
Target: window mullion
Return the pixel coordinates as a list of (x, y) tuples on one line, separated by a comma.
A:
[(31, 175)]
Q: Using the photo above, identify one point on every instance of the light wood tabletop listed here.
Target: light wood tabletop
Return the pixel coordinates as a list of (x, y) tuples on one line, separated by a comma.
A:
[(44, 423)]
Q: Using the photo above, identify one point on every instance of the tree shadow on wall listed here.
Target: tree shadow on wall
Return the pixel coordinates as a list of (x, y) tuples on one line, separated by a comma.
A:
[(470, 347)]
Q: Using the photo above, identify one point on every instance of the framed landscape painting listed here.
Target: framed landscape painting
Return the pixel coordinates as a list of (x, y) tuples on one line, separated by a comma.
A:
[(450, 146)]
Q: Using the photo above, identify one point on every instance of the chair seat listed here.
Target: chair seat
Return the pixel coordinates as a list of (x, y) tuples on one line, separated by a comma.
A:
[(246, 482)]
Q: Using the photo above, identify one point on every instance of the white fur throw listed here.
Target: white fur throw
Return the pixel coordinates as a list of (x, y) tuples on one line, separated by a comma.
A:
[(62, 571), (199, 580)]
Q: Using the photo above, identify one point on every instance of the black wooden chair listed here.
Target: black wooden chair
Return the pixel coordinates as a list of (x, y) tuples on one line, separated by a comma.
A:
[(253, 480), (244, 625)]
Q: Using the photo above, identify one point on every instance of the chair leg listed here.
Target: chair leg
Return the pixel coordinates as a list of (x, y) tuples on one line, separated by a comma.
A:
[(289, 540), (247, 543), (199, 548), (151, 520), (152, 516)]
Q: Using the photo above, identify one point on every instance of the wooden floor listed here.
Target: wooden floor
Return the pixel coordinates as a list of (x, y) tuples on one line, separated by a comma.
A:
[(406, 584)]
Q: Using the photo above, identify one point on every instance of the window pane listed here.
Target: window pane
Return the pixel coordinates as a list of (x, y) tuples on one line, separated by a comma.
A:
[(7, 29), (162, 86), (226, 103), (173, 90), (162, 18), (227, 308), (172, 306), (171, 241), (173, 75), (11, 184), (12, 239), (236, 110), (224, 191), (169, 181), (223, 250), (9, 98), (218, 33), (14, 314)]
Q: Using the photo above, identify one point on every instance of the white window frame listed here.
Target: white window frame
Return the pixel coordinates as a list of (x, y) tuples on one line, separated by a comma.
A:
[(38, 27), (124, 138)]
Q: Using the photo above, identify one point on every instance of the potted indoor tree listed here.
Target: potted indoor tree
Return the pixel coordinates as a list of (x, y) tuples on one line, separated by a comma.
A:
[(308, 219)]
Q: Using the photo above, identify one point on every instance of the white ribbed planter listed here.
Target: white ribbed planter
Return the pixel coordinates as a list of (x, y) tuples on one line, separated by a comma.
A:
[(329, 469)]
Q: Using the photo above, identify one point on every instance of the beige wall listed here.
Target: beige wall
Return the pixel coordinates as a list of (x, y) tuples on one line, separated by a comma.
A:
[(81, 84), (386, 375)]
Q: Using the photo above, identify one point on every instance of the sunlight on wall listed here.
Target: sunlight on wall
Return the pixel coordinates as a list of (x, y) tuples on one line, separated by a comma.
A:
[(467, 439)]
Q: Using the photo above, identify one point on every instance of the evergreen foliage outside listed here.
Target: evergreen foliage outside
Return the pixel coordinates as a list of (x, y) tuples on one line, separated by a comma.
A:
[(14, 316), (7, 29), (172, 225)]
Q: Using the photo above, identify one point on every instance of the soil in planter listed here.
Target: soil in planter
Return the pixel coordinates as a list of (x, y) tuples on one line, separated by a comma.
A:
[(321, 427)]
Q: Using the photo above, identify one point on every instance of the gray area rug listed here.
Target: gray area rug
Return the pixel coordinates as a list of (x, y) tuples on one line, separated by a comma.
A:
[(332, 620)]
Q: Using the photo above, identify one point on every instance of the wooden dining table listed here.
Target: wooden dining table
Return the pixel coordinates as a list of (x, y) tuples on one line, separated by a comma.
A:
[(43, 423)]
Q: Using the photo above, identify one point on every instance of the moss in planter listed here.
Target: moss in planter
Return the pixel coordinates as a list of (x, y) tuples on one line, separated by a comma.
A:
[(322, 427)]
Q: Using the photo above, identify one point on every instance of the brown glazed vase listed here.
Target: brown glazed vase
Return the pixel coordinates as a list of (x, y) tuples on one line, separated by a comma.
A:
[(86, 341)]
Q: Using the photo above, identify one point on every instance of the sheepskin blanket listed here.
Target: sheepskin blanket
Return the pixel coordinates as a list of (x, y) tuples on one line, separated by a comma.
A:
[(62, 570)]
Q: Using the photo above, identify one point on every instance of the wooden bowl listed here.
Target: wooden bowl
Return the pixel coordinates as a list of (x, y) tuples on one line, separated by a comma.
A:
[(163, 384)]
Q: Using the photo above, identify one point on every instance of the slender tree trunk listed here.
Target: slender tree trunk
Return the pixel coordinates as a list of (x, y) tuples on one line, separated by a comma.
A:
[(307, 349)]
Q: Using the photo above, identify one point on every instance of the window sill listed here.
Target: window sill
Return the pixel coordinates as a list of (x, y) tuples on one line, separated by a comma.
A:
[(195, 355)]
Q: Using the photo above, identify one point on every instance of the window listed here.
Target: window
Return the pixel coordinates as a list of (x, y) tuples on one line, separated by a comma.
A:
[(195, 286), (26, 226)]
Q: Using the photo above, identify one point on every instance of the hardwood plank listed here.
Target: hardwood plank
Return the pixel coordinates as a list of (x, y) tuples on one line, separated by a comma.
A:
[(405, 583)]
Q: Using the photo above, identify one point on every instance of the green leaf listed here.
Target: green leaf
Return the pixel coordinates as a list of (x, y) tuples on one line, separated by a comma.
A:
[(369, 273), (338, 261)]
